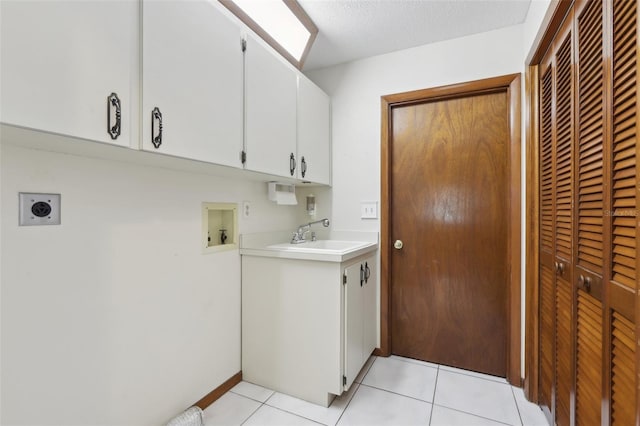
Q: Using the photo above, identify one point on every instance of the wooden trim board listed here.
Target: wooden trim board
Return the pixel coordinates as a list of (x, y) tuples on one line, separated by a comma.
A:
[(215, 394)]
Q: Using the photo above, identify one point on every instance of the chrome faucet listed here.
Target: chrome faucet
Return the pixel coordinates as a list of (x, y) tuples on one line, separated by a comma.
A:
[(298, 236)]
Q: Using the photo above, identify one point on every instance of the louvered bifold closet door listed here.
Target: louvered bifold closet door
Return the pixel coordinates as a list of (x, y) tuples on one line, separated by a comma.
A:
[(590, 217), (623, 356), (547, 243), (622, 277), (564, 163)]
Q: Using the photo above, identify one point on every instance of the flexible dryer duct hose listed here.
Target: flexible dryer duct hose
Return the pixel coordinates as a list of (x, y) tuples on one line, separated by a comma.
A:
[(191, 417)]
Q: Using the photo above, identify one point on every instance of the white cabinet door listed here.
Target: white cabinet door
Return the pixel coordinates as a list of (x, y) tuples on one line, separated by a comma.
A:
[(61, 60), (369, 316), (270, 126), (192, 73), (353, 329), (314, 139)]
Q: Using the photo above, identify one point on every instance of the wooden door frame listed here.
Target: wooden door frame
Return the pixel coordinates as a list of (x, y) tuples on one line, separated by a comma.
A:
[(511, 85)]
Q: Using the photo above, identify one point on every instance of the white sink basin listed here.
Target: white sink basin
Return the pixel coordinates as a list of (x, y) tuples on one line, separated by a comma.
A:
[(321, 246), (321, 250)]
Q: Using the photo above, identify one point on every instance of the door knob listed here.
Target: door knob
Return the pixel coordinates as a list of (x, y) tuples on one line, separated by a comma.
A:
[(398, 244)]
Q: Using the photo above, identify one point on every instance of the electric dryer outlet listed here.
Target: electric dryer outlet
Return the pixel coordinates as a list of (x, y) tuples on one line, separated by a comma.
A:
[(39, 209)]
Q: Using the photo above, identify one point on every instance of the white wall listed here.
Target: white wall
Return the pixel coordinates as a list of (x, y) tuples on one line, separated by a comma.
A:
[(116, 317), (356, 87)]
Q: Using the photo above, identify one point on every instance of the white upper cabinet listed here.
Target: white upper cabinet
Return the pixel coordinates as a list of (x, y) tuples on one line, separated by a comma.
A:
[(270, 126), (314, 139), (61, 63), (192, 81)]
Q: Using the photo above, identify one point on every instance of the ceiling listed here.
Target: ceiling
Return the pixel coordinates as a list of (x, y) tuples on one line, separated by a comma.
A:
[(354, 29)]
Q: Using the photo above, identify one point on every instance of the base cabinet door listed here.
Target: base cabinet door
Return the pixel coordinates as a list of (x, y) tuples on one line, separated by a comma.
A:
[(360, 325), (192, 80), (70, 67), (369, 311), (353, 323)]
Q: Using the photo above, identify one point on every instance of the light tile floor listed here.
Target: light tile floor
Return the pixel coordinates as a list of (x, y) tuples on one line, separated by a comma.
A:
[(392, 391)]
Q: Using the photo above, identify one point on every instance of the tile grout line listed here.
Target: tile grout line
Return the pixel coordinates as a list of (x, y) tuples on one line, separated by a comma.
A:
[(254, 412), (368, 369), (438, 368), (395, 393), (356, 391), (473, 414), (414, 361), (462, 372), (253, 399), (279, 409), (295, 414), (517, 406), (315, 421), (348, 403), (433, 398), (448, 368)]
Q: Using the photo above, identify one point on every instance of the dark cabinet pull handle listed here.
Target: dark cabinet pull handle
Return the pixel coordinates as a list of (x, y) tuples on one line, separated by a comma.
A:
[(367, 272), (584, 283), (113, 102), (292, 164), (361, 274), (156, 115), (303, 166)]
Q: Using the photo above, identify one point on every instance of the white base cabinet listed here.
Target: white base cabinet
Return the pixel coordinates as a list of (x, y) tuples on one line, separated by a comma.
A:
[(305, 332)]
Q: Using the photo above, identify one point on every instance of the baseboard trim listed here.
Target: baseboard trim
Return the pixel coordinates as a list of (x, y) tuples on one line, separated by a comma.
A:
[(378, 352), (212, 396)]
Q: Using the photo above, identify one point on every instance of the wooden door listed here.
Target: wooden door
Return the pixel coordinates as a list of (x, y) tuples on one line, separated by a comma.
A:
[(588, 107), (590, 205), (563, 154), (547, 243), (449, 206), (621, 279), (556, 228)]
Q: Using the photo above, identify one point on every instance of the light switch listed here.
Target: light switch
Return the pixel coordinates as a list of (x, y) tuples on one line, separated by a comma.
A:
[(369, 210)]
